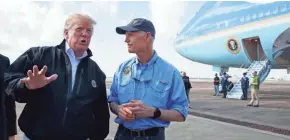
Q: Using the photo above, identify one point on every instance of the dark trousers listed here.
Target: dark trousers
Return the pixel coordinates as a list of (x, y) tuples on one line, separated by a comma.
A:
[(224, 90), (187, 94), (245, 93), (122, 134)]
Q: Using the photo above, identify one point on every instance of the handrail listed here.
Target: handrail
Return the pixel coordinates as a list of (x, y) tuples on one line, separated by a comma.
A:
[(261, 59), (242, 66)]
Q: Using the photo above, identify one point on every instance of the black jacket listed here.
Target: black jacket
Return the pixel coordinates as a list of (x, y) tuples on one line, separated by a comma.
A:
[(216, 80), (186, 82), (9, 103), (57, 109), (3, 129)]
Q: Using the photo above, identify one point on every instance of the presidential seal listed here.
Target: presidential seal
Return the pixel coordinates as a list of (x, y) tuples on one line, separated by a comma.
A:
[(233, 45)]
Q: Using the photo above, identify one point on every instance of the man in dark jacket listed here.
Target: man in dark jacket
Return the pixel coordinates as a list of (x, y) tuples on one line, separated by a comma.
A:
[(245, 86), (187, 84), (224, 83), (69, 104), (9, 104)]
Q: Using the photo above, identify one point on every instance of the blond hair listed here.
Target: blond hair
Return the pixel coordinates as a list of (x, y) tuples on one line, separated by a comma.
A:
[(73, 18)]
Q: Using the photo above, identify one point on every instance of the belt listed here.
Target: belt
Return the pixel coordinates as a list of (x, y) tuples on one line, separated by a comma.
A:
[(139, 133), (57, 138)]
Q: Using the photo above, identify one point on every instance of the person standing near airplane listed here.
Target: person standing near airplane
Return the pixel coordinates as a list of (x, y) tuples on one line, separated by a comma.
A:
[(224, 83), (147, 92), (255, 86), (216, 83), (70, 104), (187, 84), (245, 85)]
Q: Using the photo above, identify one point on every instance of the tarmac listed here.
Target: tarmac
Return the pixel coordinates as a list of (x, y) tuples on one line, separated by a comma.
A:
[(216, 118), (272, 115)]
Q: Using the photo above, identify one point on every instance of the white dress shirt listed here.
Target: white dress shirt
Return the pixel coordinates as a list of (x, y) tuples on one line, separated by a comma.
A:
[(74, 61)]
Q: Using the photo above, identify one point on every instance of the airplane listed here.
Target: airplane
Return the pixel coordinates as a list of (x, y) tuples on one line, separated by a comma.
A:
[(255, 36)]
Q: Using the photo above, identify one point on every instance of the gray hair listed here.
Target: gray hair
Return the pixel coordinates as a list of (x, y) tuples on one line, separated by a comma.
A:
[(70, 21), (151, 37)]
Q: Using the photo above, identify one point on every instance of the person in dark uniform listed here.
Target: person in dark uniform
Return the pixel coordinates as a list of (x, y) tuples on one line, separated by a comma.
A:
[(9, 104), (245, 86), (187, 84), (224, 82)]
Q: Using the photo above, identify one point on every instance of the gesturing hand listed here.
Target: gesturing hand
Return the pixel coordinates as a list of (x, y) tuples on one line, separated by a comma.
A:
[(37, 79)]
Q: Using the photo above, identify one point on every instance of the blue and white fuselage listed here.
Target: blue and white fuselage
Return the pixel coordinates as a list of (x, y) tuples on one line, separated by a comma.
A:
[(232, 34)]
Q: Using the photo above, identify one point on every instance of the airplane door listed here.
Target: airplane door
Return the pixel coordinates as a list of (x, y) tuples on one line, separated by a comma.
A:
[(254, 49), (261, 56)]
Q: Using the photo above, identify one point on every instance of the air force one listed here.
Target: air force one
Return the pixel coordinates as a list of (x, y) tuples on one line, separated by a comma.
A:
[(255, 36)]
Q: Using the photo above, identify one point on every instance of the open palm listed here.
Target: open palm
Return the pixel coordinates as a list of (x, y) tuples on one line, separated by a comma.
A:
[(36, 79)]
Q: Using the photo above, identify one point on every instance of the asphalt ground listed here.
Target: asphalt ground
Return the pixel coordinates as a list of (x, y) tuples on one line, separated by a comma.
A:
[(213, 117)]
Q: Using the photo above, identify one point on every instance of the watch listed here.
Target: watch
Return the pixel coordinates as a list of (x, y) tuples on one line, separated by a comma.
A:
[(157, 113)]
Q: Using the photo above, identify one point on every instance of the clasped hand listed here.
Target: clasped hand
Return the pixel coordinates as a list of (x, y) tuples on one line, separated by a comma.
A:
[(135, 109)]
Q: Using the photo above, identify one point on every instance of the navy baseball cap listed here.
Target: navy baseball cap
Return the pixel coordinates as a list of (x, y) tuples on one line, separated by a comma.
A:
[(137, 24)]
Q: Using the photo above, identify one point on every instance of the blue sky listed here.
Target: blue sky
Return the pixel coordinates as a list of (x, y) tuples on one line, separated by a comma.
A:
[(29, 24)]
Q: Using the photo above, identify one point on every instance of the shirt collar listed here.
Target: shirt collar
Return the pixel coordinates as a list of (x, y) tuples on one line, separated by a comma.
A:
[(149, 66), (70, 51), (151, 62)]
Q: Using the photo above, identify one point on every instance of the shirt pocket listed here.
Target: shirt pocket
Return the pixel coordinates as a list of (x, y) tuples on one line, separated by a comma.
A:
[(160, 89), (161, 86), (125, 91)]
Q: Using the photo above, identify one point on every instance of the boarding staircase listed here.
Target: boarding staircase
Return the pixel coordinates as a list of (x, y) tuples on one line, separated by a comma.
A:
[(263, 69)]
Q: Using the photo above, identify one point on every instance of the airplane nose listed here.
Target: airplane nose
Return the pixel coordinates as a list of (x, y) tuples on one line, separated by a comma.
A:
[(180, 48)]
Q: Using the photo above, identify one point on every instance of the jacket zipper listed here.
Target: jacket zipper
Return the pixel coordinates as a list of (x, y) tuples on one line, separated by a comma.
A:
[(69, 73), (70, 92), (79, 81)]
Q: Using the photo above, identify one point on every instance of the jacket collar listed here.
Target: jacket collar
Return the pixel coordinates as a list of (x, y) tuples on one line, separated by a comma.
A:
[(62, 47)]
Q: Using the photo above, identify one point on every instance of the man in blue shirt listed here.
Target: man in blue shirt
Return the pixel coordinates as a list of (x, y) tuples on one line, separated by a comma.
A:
[(147, 92)]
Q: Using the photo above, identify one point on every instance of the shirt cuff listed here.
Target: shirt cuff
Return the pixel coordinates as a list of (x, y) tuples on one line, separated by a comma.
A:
[(183, 110), (112, 99)]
